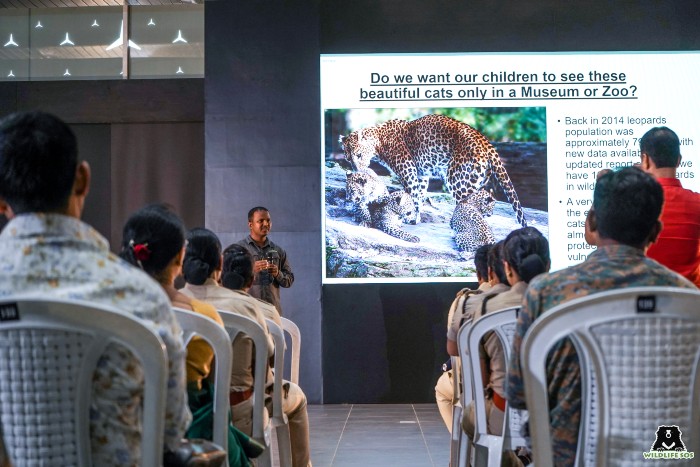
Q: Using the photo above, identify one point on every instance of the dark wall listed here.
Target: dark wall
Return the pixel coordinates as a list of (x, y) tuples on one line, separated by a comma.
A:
[(263, 144), (143, 139), (263, 120)]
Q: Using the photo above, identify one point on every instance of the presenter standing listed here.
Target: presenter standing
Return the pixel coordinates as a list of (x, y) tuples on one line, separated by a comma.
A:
[(271, 268)]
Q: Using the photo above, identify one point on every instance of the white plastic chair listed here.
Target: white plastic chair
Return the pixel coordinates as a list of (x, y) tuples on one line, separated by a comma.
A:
[(292, 329), (236, 324), (194, 324), (279, 419), (50, 350), (460, 441), (488, 448), (643, 347)]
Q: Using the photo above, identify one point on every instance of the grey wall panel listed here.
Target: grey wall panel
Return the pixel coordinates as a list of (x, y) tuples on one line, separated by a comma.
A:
[(94, 147), (290, 193), (263, 144)]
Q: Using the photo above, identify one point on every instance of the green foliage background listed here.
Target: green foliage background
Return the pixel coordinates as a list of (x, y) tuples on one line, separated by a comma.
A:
[(502, 124)]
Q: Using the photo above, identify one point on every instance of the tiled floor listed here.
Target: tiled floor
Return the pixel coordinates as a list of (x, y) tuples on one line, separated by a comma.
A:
[(406, 435)]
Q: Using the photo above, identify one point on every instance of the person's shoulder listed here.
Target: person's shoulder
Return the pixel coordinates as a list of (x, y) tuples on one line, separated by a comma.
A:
[(664, 276), (206, 309), (245, 241), (275, 246)]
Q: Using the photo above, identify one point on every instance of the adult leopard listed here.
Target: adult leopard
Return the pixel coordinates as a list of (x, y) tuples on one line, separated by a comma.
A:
[(433, 145)]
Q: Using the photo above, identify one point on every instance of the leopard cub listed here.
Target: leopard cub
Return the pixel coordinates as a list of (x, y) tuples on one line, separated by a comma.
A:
[(471, 230), (375, 207)]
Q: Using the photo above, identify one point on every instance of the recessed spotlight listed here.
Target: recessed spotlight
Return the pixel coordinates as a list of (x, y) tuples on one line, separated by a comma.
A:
[(11, 75), (67, 73), (38, 25), (151, 22), (95, 24), (120, 40), (179, 37), (11, 42), (67, 41), (179, 71)]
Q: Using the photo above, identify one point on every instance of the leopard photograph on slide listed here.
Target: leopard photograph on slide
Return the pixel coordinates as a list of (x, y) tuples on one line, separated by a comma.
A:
[(412, 193)]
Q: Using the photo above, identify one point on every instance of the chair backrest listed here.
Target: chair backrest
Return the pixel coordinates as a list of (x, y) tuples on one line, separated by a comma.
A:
[(278, 338), (280, 422), (467, 392), (50, 350), (194, 324), (295, 336), (236, 324), (502, 324), (641, 347)]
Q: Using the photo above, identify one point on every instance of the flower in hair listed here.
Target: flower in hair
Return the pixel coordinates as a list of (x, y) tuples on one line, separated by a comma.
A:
[(141, 251)]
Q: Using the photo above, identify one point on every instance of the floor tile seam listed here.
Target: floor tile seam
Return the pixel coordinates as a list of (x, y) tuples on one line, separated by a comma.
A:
[(425, 442), (340, 438)]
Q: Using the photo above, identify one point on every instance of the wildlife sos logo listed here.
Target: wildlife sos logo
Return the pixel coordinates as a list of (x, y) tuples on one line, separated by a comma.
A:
[(668, 444)]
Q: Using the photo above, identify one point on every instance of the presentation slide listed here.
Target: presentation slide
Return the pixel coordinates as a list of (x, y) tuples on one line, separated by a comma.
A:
[(428, 156)]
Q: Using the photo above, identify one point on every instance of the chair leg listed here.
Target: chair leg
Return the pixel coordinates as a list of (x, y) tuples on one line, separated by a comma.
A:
[(466, 451), (456, 436), (283, 446), (265, 459)]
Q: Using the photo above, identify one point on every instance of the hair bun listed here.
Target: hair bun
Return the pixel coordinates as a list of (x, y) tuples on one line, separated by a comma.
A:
[(195, 271), (531, 266), (232, 280)]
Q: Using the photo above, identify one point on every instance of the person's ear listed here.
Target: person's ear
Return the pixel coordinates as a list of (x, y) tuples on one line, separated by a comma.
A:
[(646, 162), (81, 185), (654, 234), (6, 209), (80, 190), (591, 228)]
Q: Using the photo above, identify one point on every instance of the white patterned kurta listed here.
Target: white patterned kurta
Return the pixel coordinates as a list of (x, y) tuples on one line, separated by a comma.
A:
[(50, 255)]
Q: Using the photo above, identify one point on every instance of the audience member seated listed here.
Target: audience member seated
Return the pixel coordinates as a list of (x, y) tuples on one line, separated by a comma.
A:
[(525, 255), (153, 240), (444, 389), (623, 222), (472, 305), (46, 251), (678, 245), (236, 276)]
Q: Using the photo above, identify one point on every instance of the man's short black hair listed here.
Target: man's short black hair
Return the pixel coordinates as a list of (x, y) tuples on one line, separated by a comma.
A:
[(38, 159), (627, 204), (252, 212), (481, 260), (662, 145)]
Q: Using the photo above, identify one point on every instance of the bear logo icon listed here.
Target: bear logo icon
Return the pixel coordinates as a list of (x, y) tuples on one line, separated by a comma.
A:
[(668, 438)]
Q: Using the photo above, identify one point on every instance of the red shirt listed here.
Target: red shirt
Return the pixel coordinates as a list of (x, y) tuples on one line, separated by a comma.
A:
[(678, 246)]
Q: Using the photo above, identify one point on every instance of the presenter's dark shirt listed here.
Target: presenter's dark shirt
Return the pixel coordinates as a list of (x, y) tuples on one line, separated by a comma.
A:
[(265, 287)]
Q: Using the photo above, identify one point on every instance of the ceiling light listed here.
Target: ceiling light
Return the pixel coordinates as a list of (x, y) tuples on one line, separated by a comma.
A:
[(95, 24), (179, 37), (67, 41), (38, 25), (11, 75), (67, 73), (120, 40), (11, 42)]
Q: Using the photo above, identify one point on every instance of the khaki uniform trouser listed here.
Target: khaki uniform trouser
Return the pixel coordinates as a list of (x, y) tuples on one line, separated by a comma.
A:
[(445, 397)]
